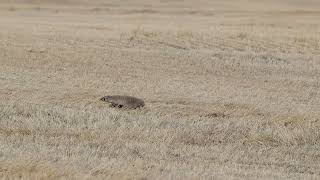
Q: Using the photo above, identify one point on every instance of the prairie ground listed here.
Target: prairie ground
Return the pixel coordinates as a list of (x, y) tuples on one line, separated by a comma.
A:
[(232, 89)]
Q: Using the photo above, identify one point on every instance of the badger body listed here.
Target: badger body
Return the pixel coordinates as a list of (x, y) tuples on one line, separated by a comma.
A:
[(127, 102)]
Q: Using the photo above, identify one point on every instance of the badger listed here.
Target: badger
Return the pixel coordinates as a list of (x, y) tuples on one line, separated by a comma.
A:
[(127, 102)]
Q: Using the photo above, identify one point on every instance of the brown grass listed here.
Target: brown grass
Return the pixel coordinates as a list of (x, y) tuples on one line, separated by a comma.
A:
[(231, 89)]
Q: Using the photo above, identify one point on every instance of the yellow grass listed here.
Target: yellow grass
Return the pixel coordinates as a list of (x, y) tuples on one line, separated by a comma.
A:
[(231, 89)]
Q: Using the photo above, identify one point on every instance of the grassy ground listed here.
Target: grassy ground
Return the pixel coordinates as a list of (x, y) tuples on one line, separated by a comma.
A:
[(231, 89)]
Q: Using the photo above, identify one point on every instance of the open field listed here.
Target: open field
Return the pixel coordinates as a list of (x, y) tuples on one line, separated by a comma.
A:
[(232, 89)]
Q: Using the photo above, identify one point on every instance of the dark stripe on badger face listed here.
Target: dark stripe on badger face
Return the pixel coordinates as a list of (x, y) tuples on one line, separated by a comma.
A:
[(105, 98)]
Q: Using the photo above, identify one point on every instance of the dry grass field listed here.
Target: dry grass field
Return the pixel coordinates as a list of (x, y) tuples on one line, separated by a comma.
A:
[(232, 89)]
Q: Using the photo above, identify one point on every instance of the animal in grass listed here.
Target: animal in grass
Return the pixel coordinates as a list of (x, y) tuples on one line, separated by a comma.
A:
[(126, 102)]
